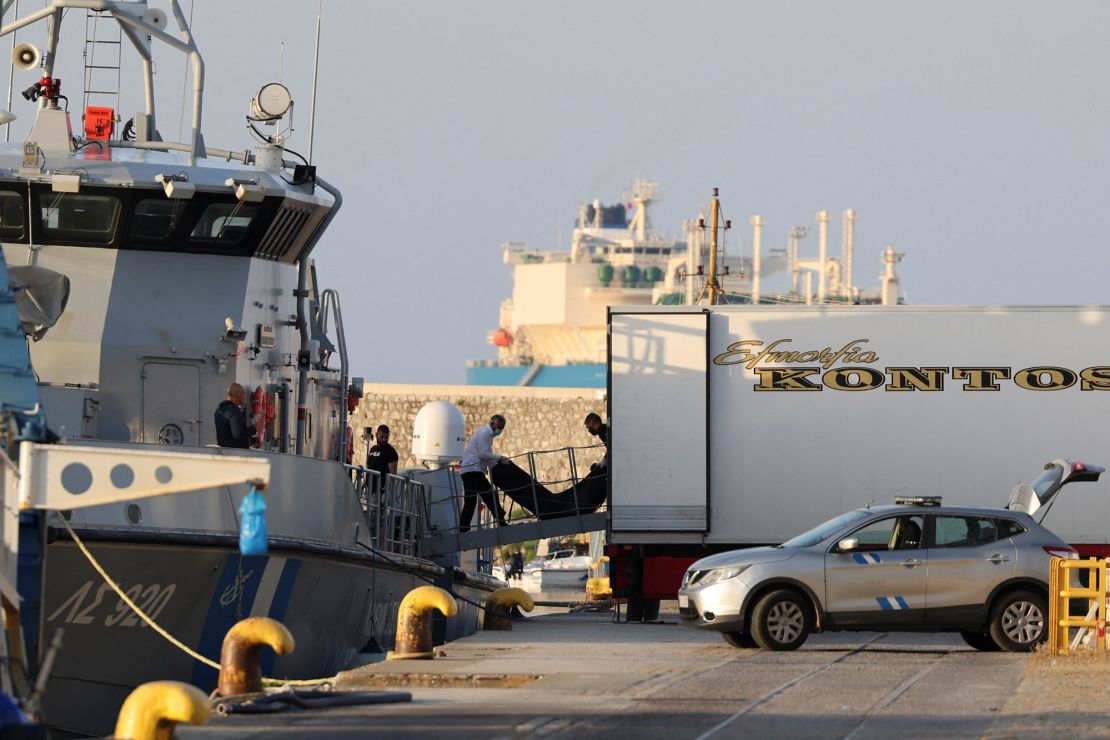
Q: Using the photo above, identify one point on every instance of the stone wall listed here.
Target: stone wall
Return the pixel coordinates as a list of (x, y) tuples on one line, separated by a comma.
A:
[(537, 419)]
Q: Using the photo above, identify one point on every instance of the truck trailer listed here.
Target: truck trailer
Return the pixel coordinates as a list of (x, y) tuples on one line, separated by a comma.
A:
[(736, 426)]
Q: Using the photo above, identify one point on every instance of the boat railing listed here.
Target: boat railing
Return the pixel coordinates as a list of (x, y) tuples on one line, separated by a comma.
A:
[(395, 509)]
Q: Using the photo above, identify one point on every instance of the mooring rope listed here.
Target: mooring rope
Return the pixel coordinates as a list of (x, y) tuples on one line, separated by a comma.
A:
[(162, 631), (135, 607)]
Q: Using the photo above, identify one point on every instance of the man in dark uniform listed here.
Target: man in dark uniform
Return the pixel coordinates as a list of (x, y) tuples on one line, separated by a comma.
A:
[(382, 457), (233, 428), (597, 429)]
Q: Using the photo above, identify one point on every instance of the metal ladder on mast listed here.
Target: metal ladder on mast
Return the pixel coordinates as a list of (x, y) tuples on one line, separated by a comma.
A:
[(102, 71)]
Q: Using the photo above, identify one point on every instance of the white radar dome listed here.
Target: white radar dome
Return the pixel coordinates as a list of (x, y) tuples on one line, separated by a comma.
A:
[(439, 433)]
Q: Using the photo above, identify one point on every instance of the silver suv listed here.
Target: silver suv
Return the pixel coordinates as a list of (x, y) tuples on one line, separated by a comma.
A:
[(913, 566)]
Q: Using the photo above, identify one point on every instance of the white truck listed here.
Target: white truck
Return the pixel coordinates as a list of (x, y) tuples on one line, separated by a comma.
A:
[(745, 425)]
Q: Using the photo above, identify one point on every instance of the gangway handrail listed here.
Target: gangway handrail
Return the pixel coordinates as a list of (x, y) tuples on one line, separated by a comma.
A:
[(556, 449)]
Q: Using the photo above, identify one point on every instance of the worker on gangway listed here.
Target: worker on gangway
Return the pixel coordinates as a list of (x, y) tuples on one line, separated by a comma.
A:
[(477, 459)]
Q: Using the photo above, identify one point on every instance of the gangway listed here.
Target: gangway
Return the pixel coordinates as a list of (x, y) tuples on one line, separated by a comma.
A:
[(524, 487), (514, 533)]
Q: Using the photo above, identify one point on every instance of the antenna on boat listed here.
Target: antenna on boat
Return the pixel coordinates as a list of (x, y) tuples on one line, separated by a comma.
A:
[(315, 74), (185, 81), (712, 291), (11, 71)]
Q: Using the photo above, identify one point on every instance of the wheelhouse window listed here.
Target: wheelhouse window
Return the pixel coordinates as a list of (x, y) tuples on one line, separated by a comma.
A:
[(76, 217), (12, 214), (156, 218), (224, 223)]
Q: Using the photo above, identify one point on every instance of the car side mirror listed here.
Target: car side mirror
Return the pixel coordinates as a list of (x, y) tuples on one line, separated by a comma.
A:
[(848, 545)]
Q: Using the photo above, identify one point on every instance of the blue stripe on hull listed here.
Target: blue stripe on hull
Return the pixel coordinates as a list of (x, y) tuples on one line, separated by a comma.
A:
[(279, 606), (231, 601)]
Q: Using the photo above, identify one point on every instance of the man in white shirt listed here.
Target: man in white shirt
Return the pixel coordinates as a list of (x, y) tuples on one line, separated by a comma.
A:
[(476, 461)]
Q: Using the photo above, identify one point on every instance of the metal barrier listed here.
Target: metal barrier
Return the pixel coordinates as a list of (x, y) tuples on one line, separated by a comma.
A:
[(1087, 629), (395, 508)]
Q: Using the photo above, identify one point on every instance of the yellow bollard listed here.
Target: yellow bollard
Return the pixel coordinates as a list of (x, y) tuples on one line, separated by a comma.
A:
[(240, 672), (499, 604), (152, 710), (414, 624), (597, 585)]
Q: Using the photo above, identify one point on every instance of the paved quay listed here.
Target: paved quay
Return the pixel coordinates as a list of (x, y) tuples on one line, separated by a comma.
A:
[(565, 675)]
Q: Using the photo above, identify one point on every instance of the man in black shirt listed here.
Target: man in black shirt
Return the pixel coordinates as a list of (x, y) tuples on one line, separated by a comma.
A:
[(596, 428), (382, 457), (233, 429)]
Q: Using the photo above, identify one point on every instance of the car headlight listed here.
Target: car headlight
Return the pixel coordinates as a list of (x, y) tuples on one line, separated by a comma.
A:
[(715, 575)]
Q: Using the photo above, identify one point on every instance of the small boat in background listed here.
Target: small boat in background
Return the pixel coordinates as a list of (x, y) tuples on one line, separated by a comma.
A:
[(559, 570)]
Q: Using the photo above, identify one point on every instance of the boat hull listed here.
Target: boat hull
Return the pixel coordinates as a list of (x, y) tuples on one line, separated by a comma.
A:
[(333, 605)]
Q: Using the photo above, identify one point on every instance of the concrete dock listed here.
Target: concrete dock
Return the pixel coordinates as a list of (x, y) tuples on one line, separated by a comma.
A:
[(581, 675)]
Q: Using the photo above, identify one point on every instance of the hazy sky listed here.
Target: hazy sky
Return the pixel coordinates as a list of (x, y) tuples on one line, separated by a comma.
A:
[(971, 135)]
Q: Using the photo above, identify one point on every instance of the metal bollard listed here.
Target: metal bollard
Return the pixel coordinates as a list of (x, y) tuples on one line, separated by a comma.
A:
[(414, 625), (240, 672), (499, 604), (152, 710)]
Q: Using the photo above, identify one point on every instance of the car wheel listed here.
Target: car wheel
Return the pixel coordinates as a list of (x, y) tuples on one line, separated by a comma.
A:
[(739, 639), (780, 621), (980, 641), (1019, 621)]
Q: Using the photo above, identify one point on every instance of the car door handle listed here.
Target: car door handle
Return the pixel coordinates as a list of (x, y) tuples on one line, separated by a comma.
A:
[(996, 559), (912, 562)]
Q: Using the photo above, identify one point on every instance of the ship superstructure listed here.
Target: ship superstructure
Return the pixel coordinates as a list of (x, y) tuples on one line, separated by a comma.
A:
[(551, 330), (165, 271)]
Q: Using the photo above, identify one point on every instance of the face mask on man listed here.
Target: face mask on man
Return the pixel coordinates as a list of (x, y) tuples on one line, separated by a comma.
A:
[(497, 432)]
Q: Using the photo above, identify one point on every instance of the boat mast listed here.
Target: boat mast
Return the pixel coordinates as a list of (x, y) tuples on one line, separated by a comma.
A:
[(712, 290)]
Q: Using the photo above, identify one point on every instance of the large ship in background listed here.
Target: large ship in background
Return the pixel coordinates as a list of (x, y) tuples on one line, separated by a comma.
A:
[(551, 331)]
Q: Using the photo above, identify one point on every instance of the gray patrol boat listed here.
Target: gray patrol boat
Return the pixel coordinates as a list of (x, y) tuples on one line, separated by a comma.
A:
[(162, 272)]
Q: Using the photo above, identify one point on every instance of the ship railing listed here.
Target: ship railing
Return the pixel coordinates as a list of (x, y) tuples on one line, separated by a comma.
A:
[(395, 509)]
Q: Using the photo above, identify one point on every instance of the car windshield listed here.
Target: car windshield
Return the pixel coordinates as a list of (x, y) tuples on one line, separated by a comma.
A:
[(822, 531)]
